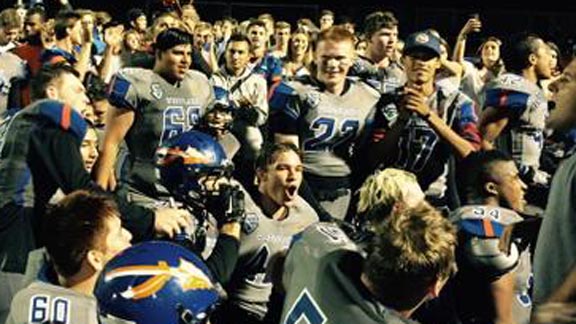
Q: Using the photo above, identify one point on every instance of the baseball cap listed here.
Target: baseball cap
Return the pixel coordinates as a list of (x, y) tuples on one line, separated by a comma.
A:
[(423, 40)]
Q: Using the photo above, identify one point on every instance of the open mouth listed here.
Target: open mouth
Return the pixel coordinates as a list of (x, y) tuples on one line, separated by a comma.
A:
[(291, 191)]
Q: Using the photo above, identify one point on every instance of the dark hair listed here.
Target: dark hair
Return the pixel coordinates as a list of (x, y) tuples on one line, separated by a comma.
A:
[(516, 51), (65, 20), (378, 20), (271, 151), (475, 170), (256, 22), (238, 37), (134, 14), (46, 75), (170, 38), (96, 89), (37, 10), (74, 226)]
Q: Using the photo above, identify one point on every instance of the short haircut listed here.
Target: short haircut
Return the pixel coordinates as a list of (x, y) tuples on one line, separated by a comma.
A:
[(9, 19), (96, 89), (271, 151), (412, 249), (475, 171), (517, 49), (75, 226), (37, 10), (282, 25), (336, 34), (256, 22), (378, 20), (102, 18), (381, 191), (203, 26), (238, 37), (65, 20), (47, 75), (170, 38), (326, 12), (134, 14)]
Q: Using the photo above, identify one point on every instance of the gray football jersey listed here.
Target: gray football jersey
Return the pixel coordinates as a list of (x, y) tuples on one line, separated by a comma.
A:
[(263, 241), (328, 124), (322, 282), (42, 302), (162, 110), (527, 103)]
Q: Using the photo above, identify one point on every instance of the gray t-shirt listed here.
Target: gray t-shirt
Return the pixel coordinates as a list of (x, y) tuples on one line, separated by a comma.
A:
[(555, 255)]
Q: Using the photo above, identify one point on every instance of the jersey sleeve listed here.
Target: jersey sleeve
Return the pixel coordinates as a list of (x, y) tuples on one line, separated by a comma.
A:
[(284, 105), (467, 123), (501, 98), (122, 92)]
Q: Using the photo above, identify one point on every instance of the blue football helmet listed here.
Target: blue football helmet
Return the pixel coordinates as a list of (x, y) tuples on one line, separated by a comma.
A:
[(157, 282), (183, 159)]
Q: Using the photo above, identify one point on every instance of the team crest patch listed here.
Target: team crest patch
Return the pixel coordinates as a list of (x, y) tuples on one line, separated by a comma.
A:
[(422, 38), (156, 91), (250, 223), (313, 99)]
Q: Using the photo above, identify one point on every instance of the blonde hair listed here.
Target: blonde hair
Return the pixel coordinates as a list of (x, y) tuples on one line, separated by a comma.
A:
[(384, 189), (414, 248)]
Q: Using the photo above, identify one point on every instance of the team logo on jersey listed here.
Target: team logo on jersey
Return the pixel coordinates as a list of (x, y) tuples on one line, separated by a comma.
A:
[(156, 91), (186, 274), (312, 98), (250, 223)]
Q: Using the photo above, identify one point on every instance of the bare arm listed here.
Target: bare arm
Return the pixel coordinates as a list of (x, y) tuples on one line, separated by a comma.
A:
[(83, 62), (416, 102), (492, 123), (118, 123), (502, 291), (472, 25), (113, 39)]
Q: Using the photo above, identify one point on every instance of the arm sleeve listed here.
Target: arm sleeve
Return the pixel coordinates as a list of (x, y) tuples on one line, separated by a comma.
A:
[(223, 259), (284, 110), (467, 124), (516, 102), (122, 92)]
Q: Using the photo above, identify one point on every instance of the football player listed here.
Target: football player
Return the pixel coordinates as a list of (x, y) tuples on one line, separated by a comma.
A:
[(149, 107), (325, 118)]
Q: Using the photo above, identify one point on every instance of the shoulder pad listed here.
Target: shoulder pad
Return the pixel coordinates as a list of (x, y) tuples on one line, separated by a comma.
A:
[(280, 94), (122, 93), (485, 256), (63, 116)]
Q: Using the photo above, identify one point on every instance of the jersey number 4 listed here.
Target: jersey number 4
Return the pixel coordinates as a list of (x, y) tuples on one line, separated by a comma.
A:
[(306, 308), (325, 129), (42, 309), (178, 119)]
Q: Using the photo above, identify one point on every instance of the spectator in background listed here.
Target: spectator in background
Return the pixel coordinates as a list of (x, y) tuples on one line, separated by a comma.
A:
[(136, 19), (326, 19), (268, 21), (490, 64), (204, 54), (10, 28), (70, 35), (190, 18), (299, 58), (281, 38), (377, 67), (262, 61)]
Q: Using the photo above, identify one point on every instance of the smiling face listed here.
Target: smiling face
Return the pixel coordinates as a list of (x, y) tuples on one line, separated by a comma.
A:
[(280, 180), (334, 59)]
